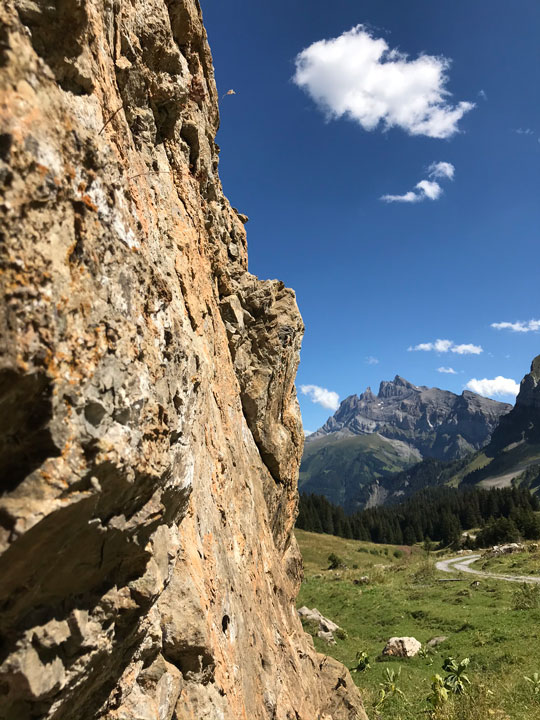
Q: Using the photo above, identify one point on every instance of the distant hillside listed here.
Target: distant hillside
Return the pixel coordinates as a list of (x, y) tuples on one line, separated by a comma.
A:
[(372, 437), (347, 469)]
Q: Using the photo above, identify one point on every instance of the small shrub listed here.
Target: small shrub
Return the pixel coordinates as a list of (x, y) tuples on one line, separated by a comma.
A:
[(456, 680), (526, 597), (398, 554), (426, 572), (439, 692), (335, 562), (341, 634), (362, 662), (389, 687)]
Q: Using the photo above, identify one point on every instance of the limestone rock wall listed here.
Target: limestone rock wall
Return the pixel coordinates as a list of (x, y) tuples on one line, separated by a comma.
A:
[(150, 433)]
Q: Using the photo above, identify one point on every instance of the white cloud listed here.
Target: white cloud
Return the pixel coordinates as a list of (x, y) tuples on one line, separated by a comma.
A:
[(426, 189), (327, 398), (441, 170), (524, 131), (409, 197), (308, 432), (482, 94), (370, 360), (467, 349), (496, 387), (522, 327), (444, 346), (447, 370), (358, 76), (430, 189)]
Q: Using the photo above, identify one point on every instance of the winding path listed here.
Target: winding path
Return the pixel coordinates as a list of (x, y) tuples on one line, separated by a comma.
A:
[(462, 564)]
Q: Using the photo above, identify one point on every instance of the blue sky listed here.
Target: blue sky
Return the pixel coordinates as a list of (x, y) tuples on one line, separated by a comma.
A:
[(374, 278)]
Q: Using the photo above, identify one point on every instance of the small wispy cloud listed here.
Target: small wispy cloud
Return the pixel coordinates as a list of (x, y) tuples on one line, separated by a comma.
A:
[(370, 360), (496, 387), (524, 131), (358, 76), (444, 346), (327, 398), (441, 170), (519, 327), (426, 189), (447, 370), (482, 94)]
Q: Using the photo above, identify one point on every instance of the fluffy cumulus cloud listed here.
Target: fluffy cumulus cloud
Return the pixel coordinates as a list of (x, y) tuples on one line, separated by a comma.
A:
[(497, 387), (520, 327), (426, 189), (327, 398), (447, 370), (358, 76), (444, 346)]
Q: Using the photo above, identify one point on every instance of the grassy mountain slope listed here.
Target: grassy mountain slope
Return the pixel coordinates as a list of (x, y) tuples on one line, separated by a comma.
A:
[(344, 469)]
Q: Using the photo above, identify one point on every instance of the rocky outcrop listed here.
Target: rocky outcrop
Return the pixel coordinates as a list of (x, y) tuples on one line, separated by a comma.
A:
[(151, 434), (404, 647), (437, 423), (522, 425)]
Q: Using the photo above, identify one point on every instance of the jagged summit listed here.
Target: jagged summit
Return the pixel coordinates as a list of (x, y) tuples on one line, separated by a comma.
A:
[(436, 422)]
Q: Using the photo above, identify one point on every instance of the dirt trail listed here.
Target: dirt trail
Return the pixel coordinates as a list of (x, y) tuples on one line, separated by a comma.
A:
[(462, 564)]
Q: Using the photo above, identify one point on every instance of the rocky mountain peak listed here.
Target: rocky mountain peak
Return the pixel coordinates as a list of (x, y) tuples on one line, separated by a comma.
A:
[(432, 421), (395, 387), (529, 391)]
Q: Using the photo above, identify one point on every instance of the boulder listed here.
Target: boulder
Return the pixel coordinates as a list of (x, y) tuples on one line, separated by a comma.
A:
[(402, 647), (327, 637)]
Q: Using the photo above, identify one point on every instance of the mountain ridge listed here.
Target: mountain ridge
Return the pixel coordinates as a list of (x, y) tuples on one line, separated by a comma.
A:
[(371, 438), (438, 423)]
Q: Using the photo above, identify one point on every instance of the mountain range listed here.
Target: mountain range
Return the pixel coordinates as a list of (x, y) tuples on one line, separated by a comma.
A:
[(372, 437)]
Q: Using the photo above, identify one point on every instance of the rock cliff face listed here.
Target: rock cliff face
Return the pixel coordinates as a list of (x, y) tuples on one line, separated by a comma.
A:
[(150, 430), (522, 424)]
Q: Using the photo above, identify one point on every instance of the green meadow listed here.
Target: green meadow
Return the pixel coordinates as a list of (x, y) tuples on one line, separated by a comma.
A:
[(495, 624)]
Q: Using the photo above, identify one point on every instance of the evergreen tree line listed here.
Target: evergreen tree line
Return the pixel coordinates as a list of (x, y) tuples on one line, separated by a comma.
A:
[(440, 514)]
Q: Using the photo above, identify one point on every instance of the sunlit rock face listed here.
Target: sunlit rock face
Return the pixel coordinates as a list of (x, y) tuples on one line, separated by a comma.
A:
[(150, 430)]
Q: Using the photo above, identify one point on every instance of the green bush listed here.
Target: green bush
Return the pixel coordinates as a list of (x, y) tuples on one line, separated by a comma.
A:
[(526, 597), (335, 562)]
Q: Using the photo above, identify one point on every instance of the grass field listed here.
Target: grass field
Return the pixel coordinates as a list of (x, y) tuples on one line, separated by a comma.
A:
[(492, 623), (521, 563)]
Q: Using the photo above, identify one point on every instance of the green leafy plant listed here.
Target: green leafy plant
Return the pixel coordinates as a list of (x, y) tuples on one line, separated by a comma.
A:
[(439, 692), (456, 680), (362, 662), (389, 687), (426, 653), (535, 682)]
